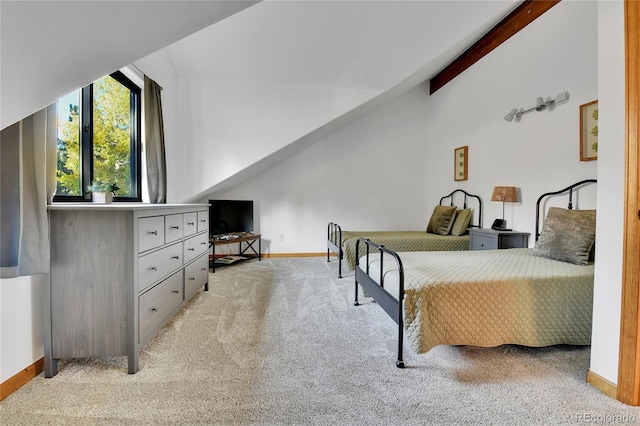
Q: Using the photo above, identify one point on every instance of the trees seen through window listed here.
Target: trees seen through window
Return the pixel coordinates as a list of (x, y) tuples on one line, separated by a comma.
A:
[(98, 139)]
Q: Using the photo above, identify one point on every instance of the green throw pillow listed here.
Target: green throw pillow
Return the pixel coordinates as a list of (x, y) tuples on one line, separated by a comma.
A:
[(567, 235), (441, 220), (461, 222)]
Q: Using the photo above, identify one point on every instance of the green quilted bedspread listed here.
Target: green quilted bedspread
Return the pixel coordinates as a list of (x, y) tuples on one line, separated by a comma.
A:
[(402, 241), (491, 297)]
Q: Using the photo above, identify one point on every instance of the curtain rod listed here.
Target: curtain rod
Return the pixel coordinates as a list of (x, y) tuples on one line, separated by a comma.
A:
[(136, 67)]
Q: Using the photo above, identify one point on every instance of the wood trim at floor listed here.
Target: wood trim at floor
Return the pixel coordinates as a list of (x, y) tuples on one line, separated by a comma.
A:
[(274, 255), (14, 383), (527, 12), (602, 384)]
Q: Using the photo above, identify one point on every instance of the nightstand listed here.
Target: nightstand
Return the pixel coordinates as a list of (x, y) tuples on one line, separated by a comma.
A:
[(490, 239)]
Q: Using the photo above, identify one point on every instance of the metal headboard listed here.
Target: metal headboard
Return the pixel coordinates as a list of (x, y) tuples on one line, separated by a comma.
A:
[(465, 204), (569, 189)]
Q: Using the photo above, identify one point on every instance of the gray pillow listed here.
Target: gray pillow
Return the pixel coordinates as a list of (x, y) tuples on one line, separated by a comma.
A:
[(567, 235), (441, 220)]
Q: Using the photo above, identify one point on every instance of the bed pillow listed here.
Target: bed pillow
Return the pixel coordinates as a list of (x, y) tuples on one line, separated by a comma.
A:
[(567, 235), (441, 220), (461, 222)]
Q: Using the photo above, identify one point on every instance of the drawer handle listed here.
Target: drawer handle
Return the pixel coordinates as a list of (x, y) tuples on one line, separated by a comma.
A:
[(192, 279), (203, 220), (153, 232), (153, 268), (175, 227), (191, 223), (175, 291), (175, 257), (203, 269), (191, 249), (154, 309), (203, 243)]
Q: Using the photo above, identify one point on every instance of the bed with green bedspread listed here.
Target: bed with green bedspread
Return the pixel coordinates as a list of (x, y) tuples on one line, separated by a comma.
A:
[(446, 231), (538, 296), (402, 241), (491, 297)]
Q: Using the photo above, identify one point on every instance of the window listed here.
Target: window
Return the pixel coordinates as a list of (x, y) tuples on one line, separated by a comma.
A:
[(99, 139)]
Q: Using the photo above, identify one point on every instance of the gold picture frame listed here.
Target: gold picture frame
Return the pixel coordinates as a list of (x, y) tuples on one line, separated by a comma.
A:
[(460, 163), (589, 131)]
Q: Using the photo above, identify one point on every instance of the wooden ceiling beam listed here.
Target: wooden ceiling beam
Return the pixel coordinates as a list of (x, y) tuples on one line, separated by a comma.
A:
[(527, 12)]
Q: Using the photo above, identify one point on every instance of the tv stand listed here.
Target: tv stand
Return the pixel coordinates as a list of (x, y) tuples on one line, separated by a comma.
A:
[(246, 249)]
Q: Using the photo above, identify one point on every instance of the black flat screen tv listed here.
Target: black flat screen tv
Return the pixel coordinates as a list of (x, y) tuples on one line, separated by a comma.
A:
[(230, 217)]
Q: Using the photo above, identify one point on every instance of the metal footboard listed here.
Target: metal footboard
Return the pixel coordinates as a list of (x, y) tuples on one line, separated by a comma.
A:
[(334, 244), (375, 288)]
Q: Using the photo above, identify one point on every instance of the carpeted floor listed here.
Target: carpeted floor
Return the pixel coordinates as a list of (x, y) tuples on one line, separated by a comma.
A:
[(279, 342)]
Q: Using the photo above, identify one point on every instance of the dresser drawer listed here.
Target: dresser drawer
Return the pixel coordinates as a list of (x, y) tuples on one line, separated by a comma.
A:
[(173, 230), (195, 246), (196, 275), (484, 242), (203, 220), (156, 304), (153, 266), (150, 232), (190, 223)]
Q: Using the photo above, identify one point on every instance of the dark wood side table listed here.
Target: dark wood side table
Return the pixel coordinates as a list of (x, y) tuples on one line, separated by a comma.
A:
[(246, 249), (490, 239)]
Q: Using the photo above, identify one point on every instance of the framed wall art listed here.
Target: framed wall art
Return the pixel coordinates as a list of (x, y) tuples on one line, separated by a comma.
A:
[(589, 131), (460, 163)]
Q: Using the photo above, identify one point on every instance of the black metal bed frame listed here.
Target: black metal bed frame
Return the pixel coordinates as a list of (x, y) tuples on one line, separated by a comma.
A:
[(334, 244), (569, 189), (334, 231), (393, 306)]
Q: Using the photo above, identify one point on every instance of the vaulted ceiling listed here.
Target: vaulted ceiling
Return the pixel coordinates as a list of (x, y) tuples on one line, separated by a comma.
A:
[(354, 44), (338, 59), (370, 50), (50, 48)]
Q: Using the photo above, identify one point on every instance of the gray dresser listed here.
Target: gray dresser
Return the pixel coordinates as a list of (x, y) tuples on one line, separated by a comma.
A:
[(119, 273)]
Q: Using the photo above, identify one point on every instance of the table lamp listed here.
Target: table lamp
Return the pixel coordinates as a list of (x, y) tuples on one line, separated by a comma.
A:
[(506, 194)]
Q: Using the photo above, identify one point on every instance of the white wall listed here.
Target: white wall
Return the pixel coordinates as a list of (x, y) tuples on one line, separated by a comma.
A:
[(540, 152), (329, 180), (388, 169), (611, 182), (21, 323)]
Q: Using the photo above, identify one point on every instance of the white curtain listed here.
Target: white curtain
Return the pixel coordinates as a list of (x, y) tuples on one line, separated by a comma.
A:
[(154, 142), (27, 184)]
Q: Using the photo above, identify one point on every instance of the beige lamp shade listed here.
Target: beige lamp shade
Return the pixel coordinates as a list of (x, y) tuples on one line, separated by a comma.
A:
[(506, 194)]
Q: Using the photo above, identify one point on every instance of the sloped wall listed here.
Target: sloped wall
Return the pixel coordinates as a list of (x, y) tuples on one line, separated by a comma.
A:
[(388, 169), (237, 123)]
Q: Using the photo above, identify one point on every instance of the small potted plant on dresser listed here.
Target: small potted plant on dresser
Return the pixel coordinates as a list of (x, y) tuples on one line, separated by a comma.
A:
[(102, 192)]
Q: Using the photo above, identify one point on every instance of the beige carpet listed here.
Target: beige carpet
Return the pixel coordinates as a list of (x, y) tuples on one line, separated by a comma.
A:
[(279, 342)]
